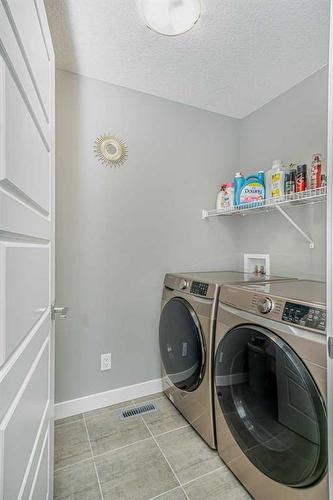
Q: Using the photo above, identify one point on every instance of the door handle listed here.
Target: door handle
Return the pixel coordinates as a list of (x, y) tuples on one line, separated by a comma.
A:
[(330, 346), (59, 311)]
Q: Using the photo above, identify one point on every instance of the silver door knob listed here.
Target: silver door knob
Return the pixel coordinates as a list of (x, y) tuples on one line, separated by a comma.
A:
[(264, 305), (59, 311)]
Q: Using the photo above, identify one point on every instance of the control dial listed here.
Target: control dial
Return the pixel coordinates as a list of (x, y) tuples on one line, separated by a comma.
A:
[(264, 305), (183, 284)]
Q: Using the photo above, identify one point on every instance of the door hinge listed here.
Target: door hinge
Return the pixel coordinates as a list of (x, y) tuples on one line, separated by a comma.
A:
[(330, 347), (61, 312)]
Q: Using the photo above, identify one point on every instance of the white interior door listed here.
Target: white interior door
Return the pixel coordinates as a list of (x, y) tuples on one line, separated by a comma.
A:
[(26, 251)]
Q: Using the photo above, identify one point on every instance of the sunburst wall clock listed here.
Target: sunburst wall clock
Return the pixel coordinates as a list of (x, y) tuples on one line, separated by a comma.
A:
[(110, 150)]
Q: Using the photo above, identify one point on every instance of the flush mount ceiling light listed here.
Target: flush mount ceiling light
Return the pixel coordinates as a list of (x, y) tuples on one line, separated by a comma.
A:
[(171, 17)]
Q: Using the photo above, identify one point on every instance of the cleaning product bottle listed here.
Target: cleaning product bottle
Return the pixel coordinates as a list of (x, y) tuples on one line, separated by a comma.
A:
[(316, 171), (261, 177), (249, 189), (228, 200), (278, 177), (225, 198), (290, 179), (238, 183), (275, 180), (220, 199)]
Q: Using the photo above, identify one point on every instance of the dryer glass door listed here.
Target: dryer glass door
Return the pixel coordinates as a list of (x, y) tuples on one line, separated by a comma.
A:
[(272, 405), (181, 344)]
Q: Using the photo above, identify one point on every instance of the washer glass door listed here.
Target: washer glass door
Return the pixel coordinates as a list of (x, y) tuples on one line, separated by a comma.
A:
[(271, 405), (181, 344)]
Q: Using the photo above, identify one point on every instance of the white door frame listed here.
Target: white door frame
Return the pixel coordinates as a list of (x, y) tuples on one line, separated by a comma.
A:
[(329, 247)]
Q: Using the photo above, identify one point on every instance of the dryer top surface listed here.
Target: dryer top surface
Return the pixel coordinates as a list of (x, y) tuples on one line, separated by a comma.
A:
[(225, 277)]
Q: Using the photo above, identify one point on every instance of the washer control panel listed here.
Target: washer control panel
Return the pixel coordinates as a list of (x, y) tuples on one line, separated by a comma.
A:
[(265, 305), (183, 284), (302, 315), (199, 288)]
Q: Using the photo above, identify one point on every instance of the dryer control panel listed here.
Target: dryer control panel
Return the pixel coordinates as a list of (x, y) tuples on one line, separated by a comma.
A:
[(199, 288), (302, 315), (300, 303)]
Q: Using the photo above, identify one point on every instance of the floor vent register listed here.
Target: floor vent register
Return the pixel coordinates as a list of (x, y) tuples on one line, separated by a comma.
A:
[(138, 410)]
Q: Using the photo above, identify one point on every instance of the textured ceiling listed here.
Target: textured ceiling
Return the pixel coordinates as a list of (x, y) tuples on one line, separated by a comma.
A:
[(240, 55)]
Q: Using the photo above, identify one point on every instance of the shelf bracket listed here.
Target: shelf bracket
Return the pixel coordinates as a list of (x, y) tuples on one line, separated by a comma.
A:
[(293, 223)]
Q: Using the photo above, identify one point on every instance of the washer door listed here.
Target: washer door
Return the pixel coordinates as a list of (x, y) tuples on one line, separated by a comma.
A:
[(181, 344), (272, 405)]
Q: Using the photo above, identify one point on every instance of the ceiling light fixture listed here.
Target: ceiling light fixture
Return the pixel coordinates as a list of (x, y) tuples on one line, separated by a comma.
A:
[(171, 17)]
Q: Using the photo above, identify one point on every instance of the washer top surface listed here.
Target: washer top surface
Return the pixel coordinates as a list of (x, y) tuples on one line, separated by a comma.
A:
[(299, 290)]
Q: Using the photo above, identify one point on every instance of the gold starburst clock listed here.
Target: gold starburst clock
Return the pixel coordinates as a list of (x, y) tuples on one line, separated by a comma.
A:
[(110, 150)]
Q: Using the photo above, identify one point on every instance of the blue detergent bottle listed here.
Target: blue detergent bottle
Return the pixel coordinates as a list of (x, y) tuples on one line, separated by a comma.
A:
[(249, 189), (239, 181)]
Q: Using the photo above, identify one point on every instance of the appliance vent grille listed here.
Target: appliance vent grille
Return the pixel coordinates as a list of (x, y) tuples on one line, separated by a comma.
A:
[(138, 410)]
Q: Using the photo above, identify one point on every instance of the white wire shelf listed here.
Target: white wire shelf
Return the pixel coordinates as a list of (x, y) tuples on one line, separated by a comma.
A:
[(308, 197), (289, 200)]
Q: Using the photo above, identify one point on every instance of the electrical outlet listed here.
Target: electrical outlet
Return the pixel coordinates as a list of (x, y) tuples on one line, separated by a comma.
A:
[(106, 361)]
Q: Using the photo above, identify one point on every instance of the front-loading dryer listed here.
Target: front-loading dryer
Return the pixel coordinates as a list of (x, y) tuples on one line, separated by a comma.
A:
[(186, 338), (270, 388)]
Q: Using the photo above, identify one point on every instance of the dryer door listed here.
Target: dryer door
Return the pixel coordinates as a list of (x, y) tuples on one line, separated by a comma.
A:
[(181, 344), (271, 405)]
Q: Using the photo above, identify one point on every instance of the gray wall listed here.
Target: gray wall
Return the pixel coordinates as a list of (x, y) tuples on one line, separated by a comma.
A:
[(291, 127), (119, 230)]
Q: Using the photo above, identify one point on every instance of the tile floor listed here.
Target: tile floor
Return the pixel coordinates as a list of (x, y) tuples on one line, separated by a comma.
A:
[(98, 456)]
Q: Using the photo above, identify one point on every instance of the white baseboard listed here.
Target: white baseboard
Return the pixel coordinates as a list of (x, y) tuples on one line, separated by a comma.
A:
[(107, 398)]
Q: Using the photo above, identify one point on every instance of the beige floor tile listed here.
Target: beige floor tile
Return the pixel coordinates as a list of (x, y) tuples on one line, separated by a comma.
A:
[(220, 484), (165, 419), (71, 444), (188, 454), (77, 482), (108, 431), (137, 472), (176, 494), (151, 397), (108, 409), (68, 420)]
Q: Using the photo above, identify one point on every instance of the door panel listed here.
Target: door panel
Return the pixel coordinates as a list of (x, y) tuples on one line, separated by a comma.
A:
[(19, 132), (14, 59), (40, 484), (19, 428), (18, 218), (25, 289), (21, 362), (26, 251), (36, 472), (33, 47)]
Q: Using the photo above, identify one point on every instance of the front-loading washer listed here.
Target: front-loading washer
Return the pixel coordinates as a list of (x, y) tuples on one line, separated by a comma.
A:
[(270, 388), (186, 338)]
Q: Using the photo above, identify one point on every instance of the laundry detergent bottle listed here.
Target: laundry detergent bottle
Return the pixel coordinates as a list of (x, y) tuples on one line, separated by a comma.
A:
[(249, 189), (239, 181)]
